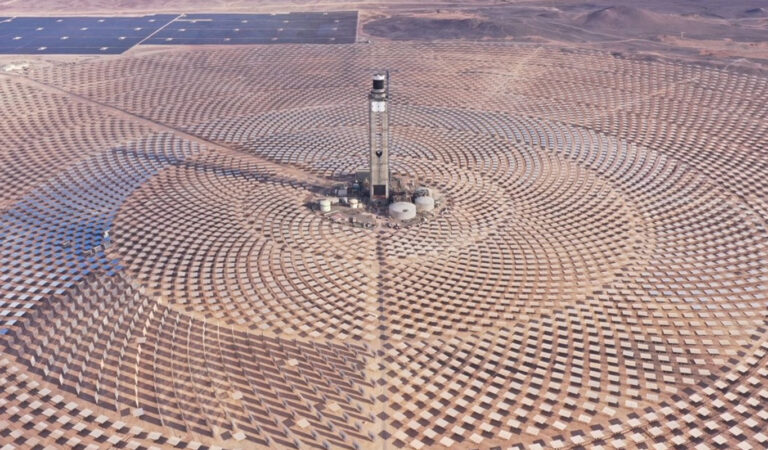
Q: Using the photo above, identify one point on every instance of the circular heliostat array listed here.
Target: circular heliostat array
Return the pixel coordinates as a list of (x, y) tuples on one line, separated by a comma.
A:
[(596, 273)]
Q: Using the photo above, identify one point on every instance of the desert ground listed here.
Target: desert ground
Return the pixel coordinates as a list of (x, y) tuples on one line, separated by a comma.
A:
[(597, 277)]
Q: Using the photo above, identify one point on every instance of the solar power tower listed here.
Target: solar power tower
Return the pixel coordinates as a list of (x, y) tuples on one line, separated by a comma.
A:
[(378, 129)]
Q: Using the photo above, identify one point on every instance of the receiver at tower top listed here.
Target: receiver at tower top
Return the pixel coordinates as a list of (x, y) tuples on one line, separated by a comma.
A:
[(378, 129)]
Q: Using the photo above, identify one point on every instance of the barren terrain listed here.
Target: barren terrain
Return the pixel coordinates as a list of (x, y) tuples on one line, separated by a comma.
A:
[(717, 34)]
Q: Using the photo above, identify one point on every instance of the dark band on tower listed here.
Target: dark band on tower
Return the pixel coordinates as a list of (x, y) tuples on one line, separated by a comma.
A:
[(378, 129)]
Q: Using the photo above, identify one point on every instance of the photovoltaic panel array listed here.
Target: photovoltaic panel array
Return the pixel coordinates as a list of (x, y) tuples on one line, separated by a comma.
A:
[(114, 35), (294, 28), (77, 35)]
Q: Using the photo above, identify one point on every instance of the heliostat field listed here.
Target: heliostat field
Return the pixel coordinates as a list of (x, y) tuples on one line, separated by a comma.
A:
[(596, 277), (104, 35)]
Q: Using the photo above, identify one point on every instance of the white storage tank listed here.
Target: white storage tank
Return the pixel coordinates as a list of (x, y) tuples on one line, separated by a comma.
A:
[(354, 203), (425, 204), (402, 210), (325, 205)]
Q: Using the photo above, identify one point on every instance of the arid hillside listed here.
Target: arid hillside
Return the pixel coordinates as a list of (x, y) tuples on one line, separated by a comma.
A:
[(714, 33)]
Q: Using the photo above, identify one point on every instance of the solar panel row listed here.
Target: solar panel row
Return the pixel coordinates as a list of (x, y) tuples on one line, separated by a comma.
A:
[(114, 35)]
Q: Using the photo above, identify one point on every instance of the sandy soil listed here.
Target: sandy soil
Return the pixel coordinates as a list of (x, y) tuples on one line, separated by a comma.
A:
[(721, 48)]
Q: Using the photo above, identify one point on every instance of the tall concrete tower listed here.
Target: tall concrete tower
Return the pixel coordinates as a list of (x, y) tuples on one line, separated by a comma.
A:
[(378, 129)]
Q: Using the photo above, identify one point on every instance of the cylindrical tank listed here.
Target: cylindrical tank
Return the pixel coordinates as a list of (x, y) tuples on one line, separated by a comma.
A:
[(425, 204), (402, 210), (421, 192), (325, 205), (354, 203)]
